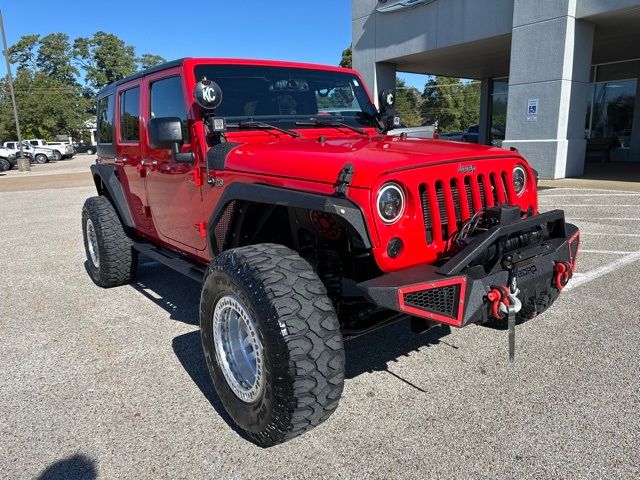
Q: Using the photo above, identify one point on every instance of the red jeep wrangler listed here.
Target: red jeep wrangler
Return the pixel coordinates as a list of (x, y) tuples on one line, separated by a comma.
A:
[(307, 224)]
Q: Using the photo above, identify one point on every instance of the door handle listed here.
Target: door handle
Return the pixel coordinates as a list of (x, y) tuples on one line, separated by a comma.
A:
[(153, 163)]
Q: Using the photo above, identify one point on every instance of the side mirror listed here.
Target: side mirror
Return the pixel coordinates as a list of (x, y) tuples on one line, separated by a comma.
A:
[(166, 133)]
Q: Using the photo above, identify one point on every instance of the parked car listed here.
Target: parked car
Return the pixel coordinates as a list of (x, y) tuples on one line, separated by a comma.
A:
[(452, 136), (307, 228), (58, 151), (8, 159), (472, 134), (35, 154), (83, 148), (426, 131), (65, 149)]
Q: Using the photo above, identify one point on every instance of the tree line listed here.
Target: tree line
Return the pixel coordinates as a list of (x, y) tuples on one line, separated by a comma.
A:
[(450, 102), (57, 79)]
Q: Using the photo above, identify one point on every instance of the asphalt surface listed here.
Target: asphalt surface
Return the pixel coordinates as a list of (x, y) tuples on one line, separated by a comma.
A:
[(112, 383)]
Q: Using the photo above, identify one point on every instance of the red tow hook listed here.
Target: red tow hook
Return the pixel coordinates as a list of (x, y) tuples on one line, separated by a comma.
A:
[(497, 295), (562, 275)]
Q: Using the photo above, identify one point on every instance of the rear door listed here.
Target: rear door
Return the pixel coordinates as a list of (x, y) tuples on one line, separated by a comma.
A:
[(129, 154), (173, 189)]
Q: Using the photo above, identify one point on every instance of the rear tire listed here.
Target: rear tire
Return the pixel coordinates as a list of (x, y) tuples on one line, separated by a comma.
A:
[(111, 259), (295, 338), (57, 156), (5, 165), (90, 151)]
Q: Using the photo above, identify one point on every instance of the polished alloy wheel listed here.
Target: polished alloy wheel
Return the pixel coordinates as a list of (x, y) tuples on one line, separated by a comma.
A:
[(238, 348), (92, 244)]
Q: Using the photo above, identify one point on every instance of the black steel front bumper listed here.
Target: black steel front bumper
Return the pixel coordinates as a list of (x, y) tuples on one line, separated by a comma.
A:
[(455, 292)]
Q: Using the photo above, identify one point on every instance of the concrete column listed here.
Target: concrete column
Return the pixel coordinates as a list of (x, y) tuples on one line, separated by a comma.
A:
[(377, 75), (550, 62), (485, 111)]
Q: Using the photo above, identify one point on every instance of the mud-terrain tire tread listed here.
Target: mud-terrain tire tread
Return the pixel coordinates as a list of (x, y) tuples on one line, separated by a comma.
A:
[(308, 362), (118, 260)]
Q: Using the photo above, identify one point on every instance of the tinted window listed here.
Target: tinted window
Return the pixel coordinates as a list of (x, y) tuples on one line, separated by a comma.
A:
[(130, 115), (33, 142), (167, 100), (105, 120)]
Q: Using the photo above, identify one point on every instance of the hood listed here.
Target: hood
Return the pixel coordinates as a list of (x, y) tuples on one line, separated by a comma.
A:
[(371, 157)]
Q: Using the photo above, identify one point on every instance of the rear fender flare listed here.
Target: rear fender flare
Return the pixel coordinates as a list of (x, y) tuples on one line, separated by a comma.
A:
[(106, 176), (342, 207)]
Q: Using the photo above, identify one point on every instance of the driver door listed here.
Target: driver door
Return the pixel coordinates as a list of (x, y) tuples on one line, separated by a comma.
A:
[(174, 197)]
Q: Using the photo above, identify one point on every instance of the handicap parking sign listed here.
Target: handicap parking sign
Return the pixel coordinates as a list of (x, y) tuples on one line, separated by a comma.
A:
[(532, 110)]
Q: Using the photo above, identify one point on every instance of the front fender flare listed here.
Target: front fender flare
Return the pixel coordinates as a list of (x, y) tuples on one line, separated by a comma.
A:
[(267, 194)]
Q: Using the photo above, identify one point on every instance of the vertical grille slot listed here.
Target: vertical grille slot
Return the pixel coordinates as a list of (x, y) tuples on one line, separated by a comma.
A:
[(442, 208), (508, 185), (426, 213), (469, 192), (483, 191), (455, 196)]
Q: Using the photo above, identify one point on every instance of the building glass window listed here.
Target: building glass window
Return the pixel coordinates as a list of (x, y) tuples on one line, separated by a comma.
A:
[(499, 100)]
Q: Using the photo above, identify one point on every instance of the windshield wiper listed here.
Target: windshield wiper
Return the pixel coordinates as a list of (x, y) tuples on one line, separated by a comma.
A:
[(263, 126), (316, 122)]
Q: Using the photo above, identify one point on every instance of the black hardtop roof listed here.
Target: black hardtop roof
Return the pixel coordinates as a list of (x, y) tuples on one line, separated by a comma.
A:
[(158, 68)]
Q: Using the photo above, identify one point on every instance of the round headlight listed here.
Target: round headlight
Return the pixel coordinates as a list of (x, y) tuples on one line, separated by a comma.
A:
[(391, 202), (519, 179)]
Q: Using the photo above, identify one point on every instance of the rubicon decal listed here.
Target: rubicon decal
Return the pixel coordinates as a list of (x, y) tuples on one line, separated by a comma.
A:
[(402, 5)]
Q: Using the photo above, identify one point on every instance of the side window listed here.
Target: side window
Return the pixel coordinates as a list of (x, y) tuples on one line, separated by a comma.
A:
[(167, 100), (105, 119), (130, 115), (33, 142)]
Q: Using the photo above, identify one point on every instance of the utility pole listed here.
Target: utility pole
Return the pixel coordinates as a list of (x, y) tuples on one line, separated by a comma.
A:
[(24, 165)]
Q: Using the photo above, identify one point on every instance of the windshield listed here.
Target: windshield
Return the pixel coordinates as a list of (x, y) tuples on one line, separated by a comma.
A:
[(284, 96)]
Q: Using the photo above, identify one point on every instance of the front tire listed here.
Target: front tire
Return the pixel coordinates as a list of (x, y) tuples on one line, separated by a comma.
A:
[(5, 165), (41, 159), (57, 156), (279, 306), (111, 260)]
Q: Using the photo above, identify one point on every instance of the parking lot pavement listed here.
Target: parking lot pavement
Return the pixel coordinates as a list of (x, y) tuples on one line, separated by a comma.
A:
[(113, 381), (72, 172)]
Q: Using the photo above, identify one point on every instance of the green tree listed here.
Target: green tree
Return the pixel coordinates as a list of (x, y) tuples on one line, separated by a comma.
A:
[(47, 106), (24, 52), (408, 104), (148, 60), (347, 61), (105, 58), (55, 58), (453, 104)]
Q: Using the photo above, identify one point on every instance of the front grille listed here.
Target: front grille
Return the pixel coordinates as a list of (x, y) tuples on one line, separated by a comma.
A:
[(442, 301), (447, 204)]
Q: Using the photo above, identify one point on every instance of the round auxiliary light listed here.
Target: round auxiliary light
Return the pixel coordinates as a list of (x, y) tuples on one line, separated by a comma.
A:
[(519, 179), (391, 202)]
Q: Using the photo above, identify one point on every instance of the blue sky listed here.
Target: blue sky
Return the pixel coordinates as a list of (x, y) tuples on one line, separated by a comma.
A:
[(314, 31)]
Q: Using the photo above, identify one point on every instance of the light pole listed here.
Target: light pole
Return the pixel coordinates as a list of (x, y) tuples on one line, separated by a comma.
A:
[(23, 162)]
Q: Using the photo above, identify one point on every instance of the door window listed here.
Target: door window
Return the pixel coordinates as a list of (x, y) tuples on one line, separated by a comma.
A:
[(130, 115), (105, 119), (167, 100)]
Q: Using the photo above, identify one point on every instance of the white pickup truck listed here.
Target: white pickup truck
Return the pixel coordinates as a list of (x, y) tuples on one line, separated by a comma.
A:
[(64, 149), (7, 159), (35, 154)]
